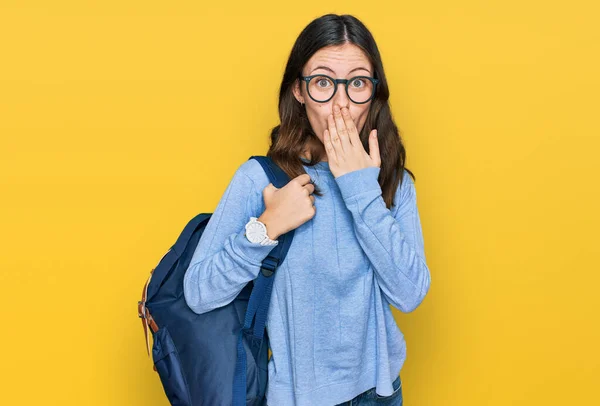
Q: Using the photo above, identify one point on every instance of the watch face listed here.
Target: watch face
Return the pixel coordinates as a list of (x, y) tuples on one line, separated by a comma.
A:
[(255, 232)]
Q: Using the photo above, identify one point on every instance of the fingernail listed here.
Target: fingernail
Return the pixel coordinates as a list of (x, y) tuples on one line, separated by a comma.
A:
[(336, 108)]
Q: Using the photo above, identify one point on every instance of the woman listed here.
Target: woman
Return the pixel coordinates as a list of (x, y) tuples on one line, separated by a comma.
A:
[(358, 244)]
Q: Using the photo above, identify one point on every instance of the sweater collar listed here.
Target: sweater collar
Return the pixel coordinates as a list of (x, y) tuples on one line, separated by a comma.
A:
[(322, 165)]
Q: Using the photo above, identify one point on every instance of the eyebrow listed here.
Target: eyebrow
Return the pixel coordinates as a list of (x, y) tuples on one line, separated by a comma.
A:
[(331, 70)]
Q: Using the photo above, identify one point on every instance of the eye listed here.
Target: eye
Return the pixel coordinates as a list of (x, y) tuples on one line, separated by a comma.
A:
[(323, 82), (358, 83)]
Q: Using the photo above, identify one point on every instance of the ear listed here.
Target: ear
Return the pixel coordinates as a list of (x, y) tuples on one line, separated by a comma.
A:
[(297, 92)]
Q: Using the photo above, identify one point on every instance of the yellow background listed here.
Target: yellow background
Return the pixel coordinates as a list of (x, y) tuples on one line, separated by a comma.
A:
[(120, 121)]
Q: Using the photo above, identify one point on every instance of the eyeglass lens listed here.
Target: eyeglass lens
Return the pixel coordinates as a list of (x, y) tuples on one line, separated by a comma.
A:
[(321, 88)]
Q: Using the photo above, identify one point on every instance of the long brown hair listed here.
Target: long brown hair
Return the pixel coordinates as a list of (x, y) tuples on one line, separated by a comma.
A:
[(290, 138)]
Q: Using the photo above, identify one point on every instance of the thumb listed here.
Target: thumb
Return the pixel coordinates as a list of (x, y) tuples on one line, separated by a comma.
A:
[(269, 189)]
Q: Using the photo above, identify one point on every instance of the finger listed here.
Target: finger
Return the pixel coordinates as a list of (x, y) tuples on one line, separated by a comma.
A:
[(303, 179), (310, 187), (329, 148), (341, 128), (333, 133), (353, 135), (374, 148)]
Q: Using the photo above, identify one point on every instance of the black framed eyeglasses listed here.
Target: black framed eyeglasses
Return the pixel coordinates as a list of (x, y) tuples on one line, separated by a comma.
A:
[(321, 88)]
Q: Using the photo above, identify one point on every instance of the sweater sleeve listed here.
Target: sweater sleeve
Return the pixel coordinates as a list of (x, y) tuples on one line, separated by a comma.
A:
[(224, 261), (392, 240)]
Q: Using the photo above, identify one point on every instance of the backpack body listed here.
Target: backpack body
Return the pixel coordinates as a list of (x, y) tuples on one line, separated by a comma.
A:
[(218, 358)]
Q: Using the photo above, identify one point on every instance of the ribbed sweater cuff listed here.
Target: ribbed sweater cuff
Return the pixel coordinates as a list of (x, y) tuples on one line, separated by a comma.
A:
[(358, 181)]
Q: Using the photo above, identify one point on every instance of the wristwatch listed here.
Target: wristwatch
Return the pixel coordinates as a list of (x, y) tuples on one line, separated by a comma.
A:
[(256, 232)]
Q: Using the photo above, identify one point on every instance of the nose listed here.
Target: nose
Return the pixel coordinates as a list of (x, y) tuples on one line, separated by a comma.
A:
[(341, 98)]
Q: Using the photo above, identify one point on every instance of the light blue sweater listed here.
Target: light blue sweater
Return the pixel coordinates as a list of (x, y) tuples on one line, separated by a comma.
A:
[(331, 330)]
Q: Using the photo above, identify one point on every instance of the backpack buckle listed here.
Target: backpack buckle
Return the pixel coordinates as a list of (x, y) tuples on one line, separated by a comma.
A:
[(141, 309), (144, 314), (269, 266)]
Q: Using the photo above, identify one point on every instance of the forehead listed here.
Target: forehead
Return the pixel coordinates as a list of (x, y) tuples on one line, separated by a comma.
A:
[(341, 59)]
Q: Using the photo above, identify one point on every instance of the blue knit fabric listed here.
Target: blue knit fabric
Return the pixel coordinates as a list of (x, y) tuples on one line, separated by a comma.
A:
[(330, 326)]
